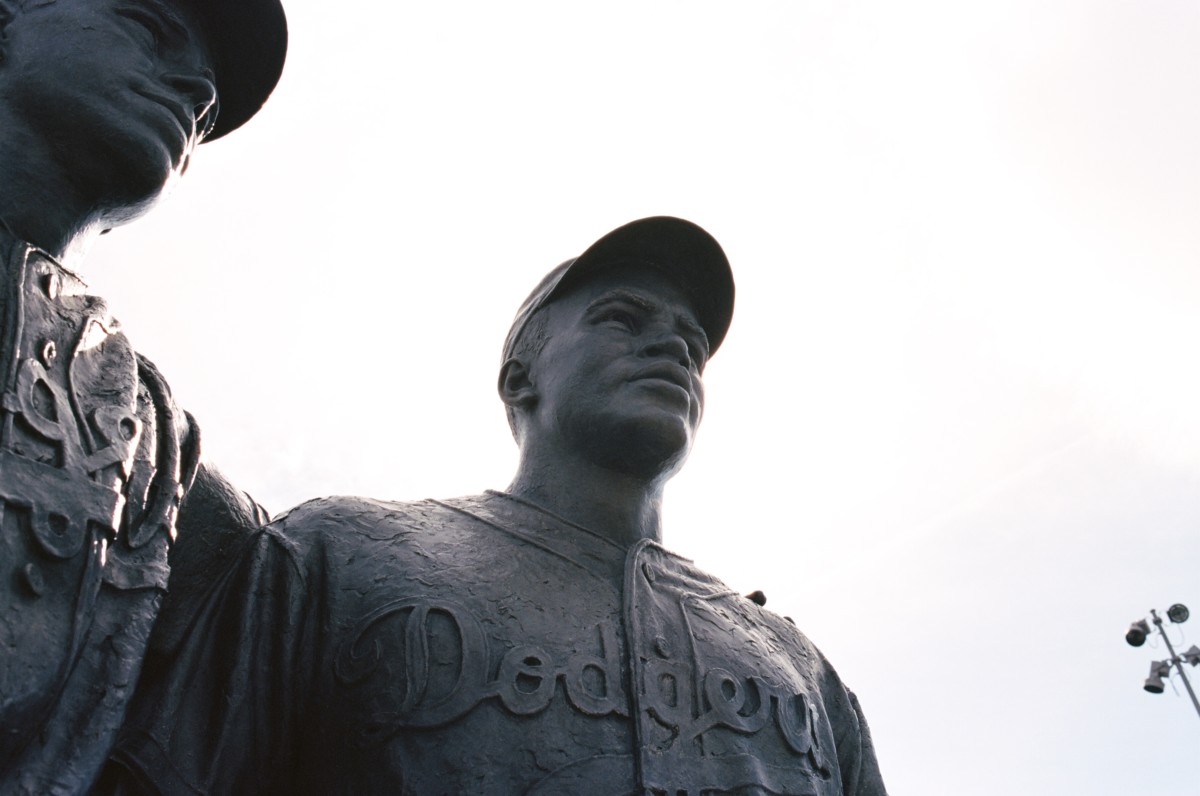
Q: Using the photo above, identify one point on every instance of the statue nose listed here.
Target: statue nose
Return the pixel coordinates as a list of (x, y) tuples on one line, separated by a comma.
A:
[(201, 93), (668, 345)]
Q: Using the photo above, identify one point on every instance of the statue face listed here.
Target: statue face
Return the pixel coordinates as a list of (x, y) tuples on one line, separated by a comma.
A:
[(618, 380), (120, 90)]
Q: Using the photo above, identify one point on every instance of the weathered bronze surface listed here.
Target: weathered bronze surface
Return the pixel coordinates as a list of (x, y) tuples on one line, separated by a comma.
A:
[(101, 104), (535, 640)]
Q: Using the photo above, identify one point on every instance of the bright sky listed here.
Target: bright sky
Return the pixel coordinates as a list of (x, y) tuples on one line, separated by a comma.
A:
[(955, 428)]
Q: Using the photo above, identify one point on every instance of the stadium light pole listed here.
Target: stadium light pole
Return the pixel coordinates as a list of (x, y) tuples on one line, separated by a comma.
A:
[(1136, 637)]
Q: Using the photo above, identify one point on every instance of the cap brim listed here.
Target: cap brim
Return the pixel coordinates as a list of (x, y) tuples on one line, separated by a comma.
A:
[(679, 249), (248, 43)]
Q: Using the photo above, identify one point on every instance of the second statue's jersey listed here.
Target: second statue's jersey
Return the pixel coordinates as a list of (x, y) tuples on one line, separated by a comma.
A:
[(482, 645)]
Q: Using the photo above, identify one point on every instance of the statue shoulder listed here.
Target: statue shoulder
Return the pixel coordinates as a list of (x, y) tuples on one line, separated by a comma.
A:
[(839, 701), (348, 522), (350, 516)]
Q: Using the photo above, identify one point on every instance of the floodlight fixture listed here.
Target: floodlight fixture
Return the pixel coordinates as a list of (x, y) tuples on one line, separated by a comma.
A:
[(1178, 613), (1158, 670), (1136, 635)]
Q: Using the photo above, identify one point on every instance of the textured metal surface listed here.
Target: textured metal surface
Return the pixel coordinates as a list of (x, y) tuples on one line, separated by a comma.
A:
[(479, 645), (83, 451)]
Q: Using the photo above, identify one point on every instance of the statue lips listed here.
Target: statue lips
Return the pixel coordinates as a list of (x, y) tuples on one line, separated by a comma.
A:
[(668, 374)]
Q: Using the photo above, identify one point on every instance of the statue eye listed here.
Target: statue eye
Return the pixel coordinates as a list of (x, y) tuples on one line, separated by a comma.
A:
[(147, 21), (620, 316)]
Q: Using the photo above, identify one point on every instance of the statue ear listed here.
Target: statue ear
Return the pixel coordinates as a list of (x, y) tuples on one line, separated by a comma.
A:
[(515, 387)]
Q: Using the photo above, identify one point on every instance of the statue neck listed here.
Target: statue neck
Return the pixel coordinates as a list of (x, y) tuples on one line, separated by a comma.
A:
[(613, 505)]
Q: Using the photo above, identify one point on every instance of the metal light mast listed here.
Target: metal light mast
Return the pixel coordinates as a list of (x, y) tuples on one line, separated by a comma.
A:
[(1136, 637)]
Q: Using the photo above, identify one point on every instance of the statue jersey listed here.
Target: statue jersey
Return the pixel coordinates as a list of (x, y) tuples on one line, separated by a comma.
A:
[(484, 646), (94, 460)]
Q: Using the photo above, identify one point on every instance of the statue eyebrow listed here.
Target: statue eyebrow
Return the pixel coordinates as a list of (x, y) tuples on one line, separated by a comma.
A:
[(164, 12), (646, 305), (618, 296)]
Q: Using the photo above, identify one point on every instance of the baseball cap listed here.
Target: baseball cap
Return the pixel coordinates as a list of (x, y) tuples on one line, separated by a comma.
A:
[(679, 249), (248, 42)]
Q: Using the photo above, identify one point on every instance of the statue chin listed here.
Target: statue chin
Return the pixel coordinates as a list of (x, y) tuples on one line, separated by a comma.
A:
[(121, 182), (143, 172), (653, 453), (132, 186)]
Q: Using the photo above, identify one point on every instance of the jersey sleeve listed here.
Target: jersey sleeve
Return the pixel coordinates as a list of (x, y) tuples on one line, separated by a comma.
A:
[(216, 711), (214, 524), (861, 776)]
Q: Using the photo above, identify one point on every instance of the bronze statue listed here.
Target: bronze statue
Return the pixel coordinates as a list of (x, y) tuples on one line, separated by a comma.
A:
[(537, 640), (101, 105)]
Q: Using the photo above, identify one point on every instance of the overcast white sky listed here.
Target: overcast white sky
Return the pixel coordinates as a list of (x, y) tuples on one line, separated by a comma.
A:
[(955, 428)]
